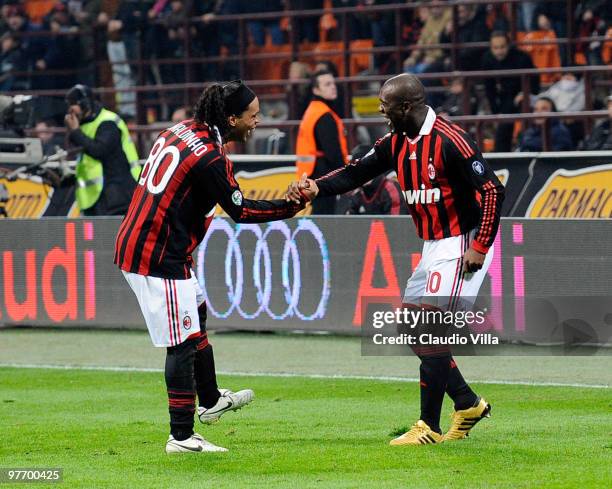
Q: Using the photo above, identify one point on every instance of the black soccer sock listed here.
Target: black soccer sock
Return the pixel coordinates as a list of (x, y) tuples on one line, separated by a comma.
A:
[(181, 389), (205, 374), (434, 376), (458, 389)]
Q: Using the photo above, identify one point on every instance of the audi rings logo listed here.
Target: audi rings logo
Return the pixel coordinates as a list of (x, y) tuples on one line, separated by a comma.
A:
[(291, 279)]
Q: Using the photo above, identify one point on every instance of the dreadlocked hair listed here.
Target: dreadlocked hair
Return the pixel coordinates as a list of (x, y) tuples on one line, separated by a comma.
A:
[(210, 108)]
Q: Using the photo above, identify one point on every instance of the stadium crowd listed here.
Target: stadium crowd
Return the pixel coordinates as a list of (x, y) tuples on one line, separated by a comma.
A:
[(52, 44)]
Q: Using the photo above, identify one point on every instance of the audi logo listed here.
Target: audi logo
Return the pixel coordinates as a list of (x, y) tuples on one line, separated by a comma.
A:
[(235, 273)]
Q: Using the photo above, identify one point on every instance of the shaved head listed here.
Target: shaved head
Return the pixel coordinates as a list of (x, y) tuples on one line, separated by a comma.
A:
[(402, 103), (404, 88)]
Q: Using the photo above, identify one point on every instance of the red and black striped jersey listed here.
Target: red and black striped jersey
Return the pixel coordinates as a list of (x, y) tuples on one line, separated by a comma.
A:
[(448, 186), (186, 174)]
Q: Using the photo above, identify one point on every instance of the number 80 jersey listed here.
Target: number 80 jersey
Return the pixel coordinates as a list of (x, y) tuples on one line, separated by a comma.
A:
[(186, 174)]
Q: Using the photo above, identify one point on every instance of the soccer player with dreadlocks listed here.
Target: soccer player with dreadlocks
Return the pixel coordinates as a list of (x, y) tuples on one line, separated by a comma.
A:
[(185, 176)]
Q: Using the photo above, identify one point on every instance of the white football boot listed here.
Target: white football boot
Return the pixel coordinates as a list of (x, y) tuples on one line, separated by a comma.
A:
[(228, 401), (195, 443)]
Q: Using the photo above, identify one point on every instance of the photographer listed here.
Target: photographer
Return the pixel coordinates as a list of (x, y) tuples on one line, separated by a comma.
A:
[(108, 168)]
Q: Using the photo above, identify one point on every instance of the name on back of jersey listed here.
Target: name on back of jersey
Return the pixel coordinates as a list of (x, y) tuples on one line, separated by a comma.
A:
[(191, 140)]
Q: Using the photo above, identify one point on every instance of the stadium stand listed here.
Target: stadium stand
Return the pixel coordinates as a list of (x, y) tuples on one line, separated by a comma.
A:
[(147, 58)]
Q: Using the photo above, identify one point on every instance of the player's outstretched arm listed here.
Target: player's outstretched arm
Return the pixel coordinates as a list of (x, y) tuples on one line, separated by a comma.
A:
[(378, 160), (220, 181)]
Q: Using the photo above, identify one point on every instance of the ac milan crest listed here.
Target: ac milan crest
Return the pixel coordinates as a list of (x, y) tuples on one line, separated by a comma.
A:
[(431, 172)]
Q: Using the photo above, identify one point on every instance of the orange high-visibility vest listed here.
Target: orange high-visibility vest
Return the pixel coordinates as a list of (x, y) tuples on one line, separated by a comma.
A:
[(306, 148)]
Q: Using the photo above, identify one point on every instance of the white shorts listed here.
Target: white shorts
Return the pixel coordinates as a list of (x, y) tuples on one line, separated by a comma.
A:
[(170, 307), (438, 279)]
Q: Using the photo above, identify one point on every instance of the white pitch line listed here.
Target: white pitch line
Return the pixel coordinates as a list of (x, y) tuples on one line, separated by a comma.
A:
[(291, 375)]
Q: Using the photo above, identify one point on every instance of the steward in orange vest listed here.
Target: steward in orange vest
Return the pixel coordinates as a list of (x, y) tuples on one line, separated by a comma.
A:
[(321, 142)]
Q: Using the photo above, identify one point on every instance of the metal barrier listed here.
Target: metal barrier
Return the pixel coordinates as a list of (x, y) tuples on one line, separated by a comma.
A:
[(187, 92), (476, 123)]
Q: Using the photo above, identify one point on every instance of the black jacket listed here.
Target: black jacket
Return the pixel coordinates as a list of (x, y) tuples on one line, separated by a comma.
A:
[(600, 138), (475, 30), (326, 137), (501, 91)]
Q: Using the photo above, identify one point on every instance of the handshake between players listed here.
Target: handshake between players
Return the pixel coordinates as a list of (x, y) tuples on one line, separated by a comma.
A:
[(304, 189)]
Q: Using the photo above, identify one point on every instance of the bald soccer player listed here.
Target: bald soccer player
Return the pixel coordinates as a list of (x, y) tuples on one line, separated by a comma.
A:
[(455, 200)]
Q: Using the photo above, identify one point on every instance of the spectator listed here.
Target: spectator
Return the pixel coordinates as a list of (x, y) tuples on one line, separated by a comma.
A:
[(472, 28), (553, 16), (560, 137), (359, 26), (321, 142), (258, 28), (50, 140), (413, 21), (422, 60), (338, 105), (18, 23), (12, 59), (157, 41), (85, 14), (591, 23), (206, 43), (5, 9), (222, 35), (601, 137), (182, 114), (380, 196), (307, 28), (61, 50), (131, 18), (364, 24), (176, 25), (299, 71), (37, 10), (118, 57), (568, 96), (503, 92), (526, 15), (497, 17), (383, 25), (567, 93), (453, 104)]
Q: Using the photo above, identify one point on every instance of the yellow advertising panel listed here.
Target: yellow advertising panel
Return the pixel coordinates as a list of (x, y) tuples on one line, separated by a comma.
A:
[(266, 184), (74, 211), (367, 106), (503, 176), (27, 197), (584, 193)]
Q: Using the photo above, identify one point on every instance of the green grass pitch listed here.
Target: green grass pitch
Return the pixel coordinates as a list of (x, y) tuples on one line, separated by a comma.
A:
[(108, 430)]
